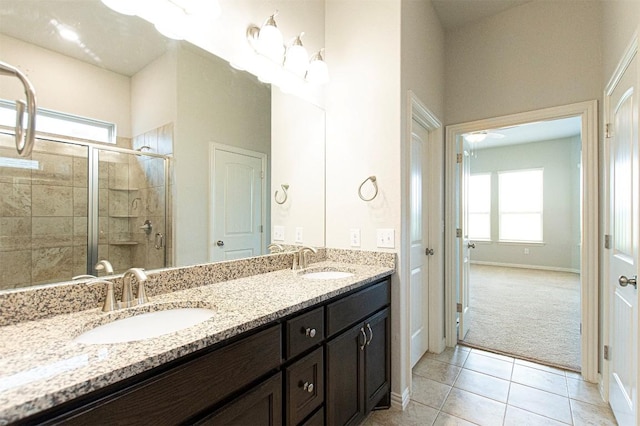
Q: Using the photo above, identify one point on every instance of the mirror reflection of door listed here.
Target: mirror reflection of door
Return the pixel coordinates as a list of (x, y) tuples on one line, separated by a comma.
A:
[(237, 215), (520, 246)]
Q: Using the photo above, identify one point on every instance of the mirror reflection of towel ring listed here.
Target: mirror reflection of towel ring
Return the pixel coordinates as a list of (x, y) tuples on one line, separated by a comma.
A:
[(375, 185), (284, 199)]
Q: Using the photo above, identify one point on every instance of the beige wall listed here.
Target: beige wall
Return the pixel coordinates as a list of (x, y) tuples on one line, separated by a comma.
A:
[(620, 19), (67, 85), (533, 56)]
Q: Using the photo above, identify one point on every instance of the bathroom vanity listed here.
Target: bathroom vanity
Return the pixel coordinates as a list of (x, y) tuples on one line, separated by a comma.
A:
[(281, 349)]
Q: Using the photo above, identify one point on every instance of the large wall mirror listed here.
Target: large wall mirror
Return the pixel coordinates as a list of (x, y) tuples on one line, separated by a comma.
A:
[(191, 171)]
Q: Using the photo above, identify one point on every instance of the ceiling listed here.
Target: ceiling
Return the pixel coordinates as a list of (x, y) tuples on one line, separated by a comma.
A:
[(132, 42), (456, 13), (531, 132)]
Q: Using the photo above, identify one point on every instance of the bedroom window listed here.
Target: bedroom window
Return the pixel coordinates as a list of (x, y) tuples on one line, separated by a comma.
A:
[(480, 207), (520, 205)]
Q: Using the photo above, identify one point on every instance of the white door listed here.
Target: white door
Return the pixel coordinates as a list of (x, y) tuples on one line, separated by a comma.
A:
[(623, 254), (418, 263), (237, 194), (464, 243)]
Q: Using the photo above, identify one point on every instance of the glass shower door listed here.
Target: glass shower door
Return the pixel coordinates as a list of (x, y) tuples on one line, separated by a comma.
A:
[(131, 200)]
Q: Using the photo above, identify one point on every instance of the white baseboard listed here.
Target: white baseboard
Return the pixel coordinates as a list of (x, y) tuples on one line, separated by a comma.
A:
[(522, 266), (400, 401)]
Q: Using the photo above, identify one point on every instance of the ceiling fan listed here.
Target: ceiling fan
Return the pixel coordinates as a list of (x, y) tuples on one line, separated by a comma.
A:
[(475, 137)]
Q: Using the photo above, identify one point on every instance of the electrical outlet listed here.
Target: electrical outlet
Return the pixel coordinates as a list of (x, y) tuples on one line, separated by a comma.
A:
[(299, 235), (278, 233), (354, 238), (526, 250), (386, 238)]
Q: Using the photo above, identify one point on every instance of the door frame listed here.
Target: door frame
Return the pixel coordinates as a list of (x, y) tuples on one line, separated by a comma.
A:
[(625, 61), (589, 251), (213, 147), (417, 110)]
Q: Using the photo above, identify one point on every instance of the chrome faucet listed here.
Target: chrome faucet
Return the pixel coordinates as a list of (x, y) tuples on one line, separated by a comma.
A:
[(300, 259), (275, 248), (127, 292), (110, 303), (106, 265)]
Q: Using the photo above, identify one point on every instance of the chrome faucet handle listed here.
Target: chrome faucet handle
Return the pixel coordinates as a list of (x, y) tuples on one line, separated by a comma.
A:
[(110, 303), (141, 277), (106, 265), (303, 253)]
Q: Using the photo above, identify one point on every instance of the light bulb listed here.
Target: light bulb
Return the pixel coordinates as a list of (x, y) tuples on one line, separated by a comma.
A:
[(297, 59), (475, 137), (270, 41), (318, 72)]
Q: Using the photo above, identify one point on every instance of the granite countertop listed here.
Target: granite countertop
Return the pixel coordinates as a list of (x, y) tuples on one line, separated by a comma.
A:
[(41, 366)]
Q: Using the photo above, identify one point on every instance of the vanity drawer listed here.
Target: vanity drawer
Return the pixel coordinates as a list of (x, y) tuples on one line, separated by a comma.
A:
[(316, 420), (351, 309), (304, 386), (304, 331), (185, 391)]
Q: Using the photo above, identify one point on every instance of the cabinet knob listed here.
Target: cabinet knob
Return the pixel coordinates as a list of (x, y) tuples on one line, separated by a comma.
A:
[(311, 332), (308, 387)]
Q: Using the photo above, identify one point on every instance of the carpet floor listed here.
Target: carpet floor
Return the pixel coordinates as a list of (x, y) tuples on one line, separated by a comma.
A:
[(528, 313)]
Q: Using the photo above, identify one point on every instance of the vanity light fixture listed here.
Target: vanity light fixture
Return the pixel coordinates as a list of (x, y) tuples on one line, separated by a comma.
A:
[(285, 66)]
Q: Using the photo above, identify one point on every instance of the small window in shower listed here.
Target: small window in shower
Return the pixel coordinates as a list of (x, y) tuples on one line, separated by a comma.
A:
[(61, 124)]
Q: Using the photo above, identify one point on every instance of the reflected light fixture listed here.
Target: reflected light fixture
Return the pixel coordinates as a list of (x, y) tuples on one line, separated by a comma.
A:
[(172, 18)]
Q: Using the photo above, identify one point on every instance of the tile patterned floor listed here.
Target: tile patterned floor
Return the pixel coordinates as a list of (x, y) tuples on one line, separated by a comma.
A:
[(463, 386)]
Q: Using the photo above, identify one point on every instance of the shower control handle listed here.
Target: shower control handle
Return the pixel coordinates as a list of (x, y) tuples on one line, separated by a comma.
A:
[(220, 243)]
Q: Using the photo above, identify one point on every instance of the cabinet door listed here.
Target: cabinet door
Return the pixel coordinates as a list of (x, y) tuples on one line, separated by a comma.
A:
[(377, 358), (344, 358), (261, 406)]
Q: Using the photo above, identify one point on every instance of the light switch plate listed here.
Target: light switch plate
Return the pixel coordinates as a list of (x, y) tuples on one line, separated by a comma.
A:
[(278, 233), (386, 238), (299, 235), (354, 237)]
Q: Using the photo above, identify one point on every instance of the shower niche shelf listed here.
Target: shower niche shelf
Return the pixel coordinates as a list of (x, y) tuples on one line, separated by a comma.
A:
[(123, 243), (124, 189), (123, 216)]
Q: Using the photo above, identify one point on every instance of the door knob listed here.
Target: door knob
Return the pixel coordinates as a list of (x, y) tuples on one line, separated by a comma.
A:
[(471, 245), (428, 252), (624, 281), (220, 243)]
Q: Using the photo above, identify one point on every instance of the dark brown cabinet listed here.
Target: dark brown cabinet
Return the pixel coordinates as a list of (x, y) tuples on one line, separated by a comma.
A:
[(304, 387), (358, 359)]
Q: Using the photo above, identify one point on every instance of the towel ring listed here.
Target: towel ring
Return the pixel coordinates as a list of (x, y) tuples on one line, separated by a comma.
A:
[(375, 185), (284, 189)]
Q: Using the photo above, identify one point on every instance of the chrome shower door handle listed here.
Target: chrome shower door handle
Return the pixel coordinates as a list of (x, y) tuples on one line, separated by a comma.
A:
[(159, 241)]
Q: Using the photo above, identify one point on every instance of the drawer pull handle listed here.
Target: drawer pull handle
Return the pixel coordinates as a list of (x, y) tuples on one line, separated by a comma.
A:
[(308, 387), (310, 332), (370, 334), (364, 339)]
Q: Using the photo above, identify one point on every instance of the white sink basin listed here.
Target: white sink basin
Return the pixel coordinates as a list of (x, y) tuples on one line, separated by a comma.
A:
[(145, 326), (327, 275)]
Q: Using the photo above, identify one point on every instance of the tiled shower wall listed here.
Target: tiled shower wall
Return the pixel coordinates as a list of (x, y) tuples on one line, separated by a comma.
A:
[(43, 209)]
